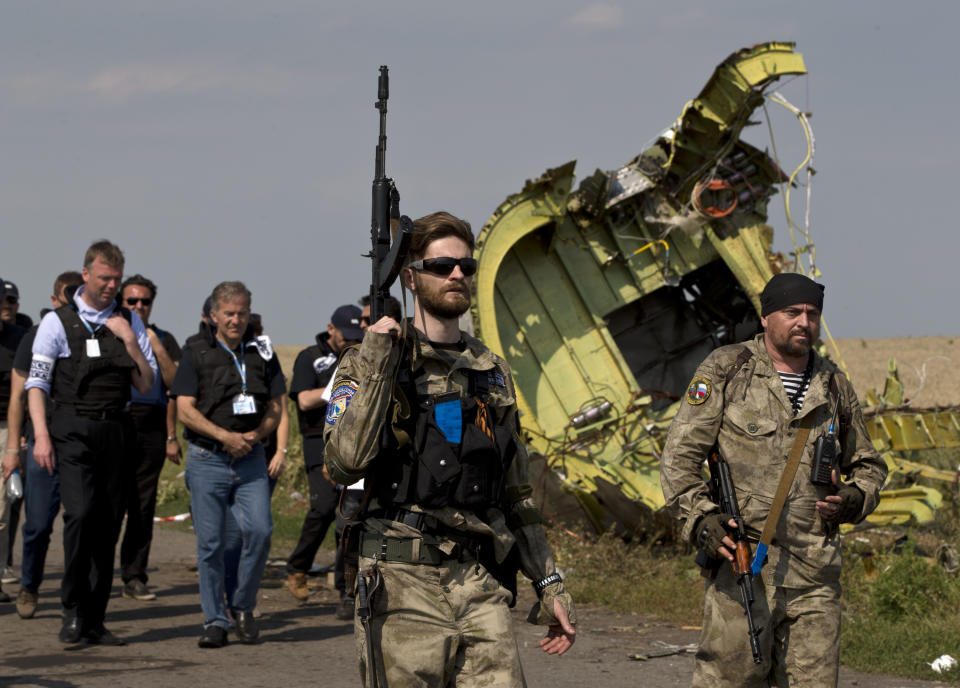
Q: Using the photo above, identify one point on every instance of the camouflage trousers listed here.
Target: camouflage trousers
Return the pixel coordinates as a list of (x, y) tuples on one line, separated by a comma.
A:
[(799, 636), (439, 626)]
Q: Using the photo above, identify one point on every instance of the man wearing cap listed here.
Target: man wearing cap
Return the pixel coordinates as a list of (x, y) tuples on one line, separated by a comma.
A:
[(155, 440), (10, 336), (41, 496), (228, 387), (311, 375), (10, 307), (760, 404)]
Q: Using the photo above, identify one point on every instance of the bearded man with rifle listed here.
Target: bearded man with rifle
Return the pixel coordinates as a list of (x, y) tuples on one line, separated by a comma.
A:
[(788, 424), (426, 414)]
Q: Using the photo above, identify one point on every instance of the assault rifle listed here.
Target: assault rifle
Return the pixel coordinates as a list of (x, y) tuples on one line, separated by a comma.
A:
[(386, 218), (724, 494)]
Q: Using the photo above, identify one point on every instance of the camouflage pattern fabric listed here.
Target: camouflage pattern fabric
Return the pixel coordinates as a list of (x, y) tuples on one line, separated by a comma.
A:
[(799, 636), (751, 421), (364, 383), (444, 625)]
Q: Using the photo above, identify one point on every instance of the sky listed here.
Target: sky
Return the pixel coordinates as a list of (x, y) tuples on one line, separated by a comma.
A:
[(235, 139)]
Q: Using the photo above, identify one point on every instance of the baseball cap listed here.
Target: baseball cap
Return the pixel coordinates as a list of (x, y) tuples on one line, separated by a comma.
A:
[(347, 320), (10, 289)]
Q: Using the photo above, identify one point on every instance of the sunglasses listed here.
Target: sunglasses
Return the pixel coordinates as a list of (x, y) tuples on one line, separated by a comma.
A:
[(12, 300), (133, 301), (444, 266)]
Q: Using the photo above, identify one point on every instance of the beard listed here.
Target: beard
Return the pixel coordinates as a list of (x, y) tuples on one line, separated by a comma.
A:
[(444, 304), (789, 347)]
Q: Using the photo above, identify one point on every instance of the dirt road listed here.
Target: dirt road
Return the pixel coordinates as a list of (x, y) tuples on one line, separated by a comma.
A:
[(302, 644)]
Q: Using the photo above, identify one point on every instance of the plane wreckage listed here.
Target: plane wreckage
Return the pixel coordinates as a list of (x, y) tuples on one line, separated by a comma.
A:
[(604, 300)]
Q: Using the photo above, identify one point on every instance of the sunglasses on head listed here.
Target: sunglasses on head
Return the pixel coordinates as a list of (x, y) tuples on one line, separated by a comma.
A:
[(133, 300), (444, 266)]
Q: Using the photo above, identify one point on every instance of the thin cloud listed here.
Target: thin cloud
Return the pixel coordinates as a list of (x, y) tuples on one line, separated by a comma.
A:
[(600, 15), (122, 83)]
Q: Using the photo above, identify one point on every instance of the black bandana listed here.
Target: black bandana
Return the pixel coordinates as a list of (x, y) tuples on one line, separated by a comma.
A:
[(787, 289)]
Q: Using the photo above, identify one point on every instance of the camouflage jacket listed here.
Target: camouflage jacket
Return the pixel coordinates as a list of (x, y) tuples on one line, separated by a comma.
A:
[(360, 403), (751, 421)]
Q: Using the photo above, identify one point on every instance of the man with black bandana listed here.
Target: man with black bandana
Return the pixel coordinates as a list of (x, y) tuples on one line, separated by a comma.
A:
[(427, 415), (761, 404)]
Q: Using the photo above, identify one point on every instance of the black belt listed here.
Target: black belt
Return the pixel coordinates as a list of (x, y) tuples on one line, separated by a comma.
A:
[(206, 443), (430, 525), (92, 414)]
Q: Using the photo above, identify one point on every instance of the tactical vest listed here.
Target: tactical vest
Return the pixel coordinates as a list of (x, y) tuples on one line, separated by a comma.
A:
[(312, 420), (218, 382), (433, 473), (91, 384)]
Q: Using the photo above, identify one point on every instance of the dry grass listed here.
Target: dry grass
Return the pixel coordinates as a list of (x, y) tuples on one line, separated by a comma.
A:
[(925, 364)]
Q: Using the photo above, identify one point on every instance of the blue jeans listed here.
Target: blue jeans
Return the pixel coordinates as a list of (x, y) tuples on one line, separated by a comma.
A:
[(218, 483), (41, 494), (232, 548)]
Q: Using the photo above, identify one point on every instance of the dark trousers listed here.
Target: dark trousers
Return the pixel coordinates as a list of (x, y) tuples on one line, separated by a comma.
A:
[(348, 547), (90, 454), (323, 507), (141, 473)]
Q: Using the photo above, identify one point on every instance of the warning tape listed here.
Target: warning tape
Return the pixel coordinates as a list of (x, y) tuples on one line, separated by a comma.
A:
[(171, 519)]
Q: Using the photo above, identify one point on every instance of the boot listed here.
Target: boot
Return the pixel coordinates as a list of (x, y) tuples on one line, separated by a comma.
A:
[(297, 585)]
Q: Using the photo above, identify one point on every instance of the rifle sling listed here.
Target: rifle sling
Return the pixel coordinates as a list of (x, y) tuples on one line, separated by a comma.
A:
[(780, 498)]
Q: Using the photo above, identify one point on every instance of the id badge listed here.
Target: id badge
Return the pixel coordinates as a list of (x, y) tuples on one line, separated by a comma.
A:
[(244, 404), (93, 348)]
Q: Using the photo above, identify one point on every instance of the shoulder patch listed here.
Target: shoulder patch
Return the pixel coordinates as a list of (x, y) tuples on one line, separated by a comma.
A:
[(698, 391), (264, 346), (324, 363), (340, 400), (496, 379)]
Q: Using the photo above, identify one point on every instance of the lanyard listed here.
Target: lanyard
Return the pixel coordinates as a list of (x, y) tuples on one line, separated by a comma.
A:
[(91, 330), (241, 367)]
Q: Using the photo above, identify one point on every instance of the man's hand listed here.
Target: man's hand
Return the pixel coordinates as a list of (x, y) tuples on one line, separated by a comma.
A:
[(713, 535), (386, 325), (326, 476), (275, 467), (155, 342), (843, 507), (237, 445), (117, 324), (10, 463), (173, 452), (43, 453), (559, 636)]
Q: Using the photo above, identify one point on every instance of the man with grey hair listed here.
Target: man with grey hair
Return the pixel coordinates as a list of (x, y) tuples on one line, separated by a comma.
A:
[(229, 389)]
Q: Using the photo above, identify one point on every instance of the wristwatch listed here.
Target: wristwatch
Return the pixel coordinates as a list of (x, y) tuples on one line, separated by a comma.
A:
[(171, 439), (541, 584)]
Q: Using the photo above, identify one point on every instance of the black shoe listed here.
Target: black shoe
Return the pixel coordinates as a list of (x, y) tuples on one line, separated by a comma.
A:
[(213, 637), (246, 628), (345, 609), (101, 636), (72, 630)]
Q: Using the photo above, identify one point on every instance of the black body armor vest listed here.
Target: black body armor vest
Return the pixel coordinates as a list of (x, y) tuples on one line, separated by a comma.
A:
[(91, 384), (218, 382), (433, 473)]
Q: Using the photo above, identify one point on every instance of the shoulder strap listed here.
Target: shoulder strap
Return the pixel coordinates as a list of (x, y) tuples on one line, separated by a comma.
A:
[(745, 355), (780, 497)]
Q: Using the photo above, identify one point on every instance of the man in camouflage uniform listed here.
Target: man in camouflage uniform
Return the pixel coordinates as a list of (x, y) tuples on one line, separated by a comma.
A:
[(449, 501), (738, 403)]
